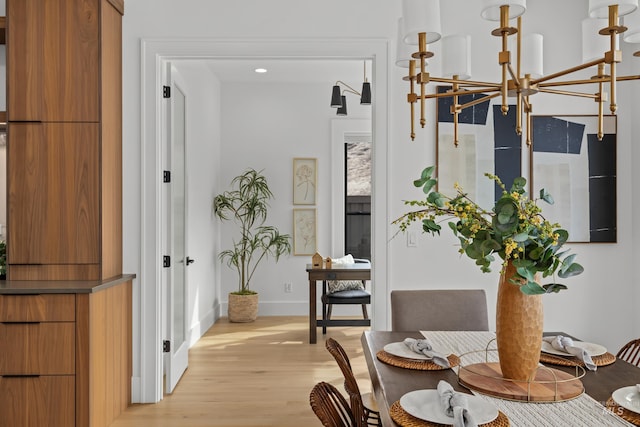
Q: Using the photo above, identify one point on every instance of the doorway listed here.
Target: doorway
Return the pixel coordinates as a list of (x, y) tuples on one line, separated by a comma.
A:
[(148, 366)]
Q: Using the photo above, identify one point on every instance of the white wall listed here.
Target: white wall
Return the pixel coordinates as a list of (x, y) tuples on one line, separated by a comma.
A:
[(264, 127), (597, 305)]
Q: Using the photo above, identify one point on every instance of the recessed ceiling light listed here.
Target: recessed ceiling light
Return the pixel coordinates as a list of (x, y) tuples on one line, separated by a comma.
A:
[(260, 70)]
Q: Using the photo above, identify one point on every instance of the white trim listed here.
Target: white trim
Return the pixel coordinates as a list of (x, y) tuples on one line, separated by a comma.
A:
[(153, 53)]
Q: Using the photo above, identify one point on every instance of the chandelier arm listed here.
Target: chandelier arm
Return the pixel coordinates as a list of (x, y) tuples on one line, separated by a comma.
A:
[(612, 90), (514, 76), (570, 93), (577, 82), (527, 109), (466, 83), (568, 71), (519, 113), (479, 100), (625, 78), (349, 88), (460, 93)]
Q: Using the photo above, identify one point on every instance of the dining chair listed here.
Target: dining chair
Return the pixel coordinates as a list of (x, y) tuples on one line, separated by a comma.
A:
[(331, 408), (439, 310), (352, 292), (630, 352), (363, 406)]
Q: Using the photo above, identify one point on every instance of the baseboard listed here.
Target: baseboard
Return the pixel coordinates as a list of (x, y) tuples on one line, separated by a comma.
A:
[(296, 308)]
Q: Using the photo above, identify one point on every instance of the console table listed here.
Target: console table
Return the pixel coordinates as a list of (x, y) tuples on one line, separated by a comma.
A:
[(342, 272)]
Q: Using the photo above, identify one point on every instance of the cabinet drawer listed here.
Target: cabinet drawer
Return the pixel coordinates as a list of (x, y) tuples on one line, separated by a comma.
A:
[(38, 308), (37, 401), (37, 348)]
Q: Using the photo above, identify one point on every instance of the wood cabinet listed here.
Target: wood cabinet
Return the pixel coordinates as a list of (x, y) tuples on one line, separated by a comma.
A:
[(65, 358), (64, 109)]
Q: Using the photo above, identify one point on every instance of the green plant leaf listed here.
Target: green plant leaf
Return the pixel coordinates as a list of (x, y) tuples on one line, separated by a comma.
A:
[(544, 195), (532, 288), (430, 226), (521, 237), (518, 185), (573, 270), (428, 185), (554, 288)]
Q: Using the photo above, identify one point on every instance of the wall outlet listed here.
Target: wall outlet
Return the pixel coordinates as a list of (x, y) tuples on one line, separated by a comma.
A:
[(287, 287), (412, 239)]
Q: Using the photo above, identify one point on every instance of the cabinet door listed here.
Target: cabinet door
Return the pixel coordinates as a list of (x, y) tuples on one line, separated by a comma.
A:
[(53, 60), (37, 401), (53, 179)]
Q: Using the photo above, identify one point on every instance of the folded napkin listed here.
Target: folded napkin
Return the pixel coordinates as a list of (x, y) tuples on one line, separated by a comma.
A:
[(566, 344), (454, 405), (424, 347)]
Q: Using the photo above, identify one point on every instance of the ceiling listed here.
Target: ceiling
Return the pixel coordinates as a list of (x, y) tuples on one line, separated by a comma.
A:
[(326, 71)]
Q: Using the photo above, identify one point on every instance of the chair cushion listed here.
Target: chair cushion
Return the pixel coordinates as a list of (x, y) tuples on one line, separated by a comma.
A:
[(343, 285), (350, 293)]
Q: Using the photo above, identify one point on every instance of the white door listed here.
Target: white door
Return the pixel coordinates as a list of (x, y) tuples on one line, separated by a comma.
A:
[(176, 358)]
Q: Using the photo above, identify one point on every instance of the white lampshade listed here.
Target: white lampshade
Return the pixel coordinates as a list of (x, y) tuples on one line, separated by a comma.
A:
[(594, 45), (421, 16), (600, 8), (403, 50), (531, 55), (491, 8), (632, 22), (456, 56)]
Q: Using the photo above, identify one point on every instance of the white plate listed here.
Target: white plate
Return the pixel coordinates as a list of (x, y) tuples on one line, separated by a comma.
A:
[(400, 349), (628, 398), (425, 404), (592, 349)]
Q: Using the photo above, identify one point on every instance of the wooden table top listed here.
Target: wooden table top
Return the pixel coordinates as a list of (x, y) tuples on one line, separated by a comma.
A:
[(390, 382)]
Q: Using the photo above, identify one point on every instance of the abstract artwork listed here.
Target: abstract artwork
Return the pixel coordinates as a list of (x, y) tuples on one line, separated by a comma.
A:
[(487, 143), (579, 172)]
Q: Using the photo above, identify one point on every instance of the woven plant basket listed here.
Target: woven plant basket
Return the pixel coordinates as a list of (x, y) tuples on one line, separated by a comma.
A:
[(243, 308)]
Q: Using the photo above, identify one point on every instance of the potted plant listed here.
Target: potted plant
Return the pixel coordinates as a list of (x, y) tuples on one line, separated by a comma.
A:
[(246, 205), (530, 246)]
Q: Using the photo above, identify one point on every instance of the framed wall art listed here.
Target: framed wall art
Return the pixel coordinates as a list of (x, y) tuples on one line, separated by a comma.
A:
[(304, 181), (579, 172), (487, 142), (304, 231)]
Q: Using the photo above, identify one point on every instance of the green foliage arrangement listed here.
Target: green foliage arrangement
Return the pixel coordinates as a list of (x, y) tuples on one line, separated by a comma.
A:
[(247, 206), (515, 230)]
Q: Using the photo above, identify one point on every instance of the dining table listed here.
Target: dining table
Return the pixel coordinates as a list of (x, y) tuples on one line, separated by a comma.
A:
[(593, 407)]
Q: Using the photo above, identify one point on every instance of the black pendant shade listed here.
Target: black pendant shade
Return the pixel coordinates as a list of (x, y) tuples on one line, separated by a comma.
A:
[(342, 111), (336, 99), (365, 98)]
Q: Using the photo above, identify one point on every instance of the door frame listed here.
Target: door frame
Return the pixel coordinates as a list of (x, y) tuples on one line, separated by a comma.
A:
[(147, 362)]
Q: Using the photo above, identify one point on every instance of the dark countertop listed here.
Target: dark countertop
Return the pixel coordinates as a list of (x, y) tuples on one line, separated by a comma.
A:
[(8, 287)]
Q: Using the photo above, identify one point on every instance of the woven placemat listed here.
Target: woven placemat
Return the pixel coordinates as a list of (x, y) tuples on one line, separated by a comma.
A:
[(602, 360), (625, 414), (404, 419), (420, 365)]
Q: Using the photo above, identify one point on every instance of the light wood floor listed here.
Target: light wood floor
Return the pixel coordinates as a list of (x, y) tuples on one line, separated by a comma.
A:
[(255, 374)]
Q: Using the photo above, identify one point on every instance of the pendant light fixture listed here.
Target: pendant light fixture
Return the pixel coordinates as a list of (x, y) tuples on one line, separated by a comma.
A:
[(339, 100)]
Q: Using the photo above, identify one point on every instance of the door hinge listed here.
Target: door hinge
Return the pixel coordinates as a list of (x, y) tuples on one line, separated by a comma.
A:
[(166, 346), (166, 176), (166, 261), (166, 91)]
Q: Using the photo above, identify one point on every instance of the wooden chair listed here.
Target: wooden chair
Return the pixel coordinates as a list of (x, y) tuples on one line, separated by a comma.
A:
[(439, 310), (352, 297), (363, 406), (630, 352), (330, 406)]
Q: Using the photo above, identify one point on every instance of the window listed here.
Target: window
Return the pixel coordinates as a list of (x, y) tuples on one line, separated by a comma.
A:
[(358, 196)]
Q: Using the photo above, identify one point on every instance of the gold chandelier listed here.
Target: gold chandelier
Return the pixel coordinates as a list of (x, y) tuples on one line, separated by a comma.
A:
[(420, 23)]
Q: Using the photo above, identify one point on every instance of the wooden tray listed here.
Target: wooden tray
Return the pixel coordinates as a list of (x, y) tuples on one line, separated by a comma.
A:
[(549, 385)]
